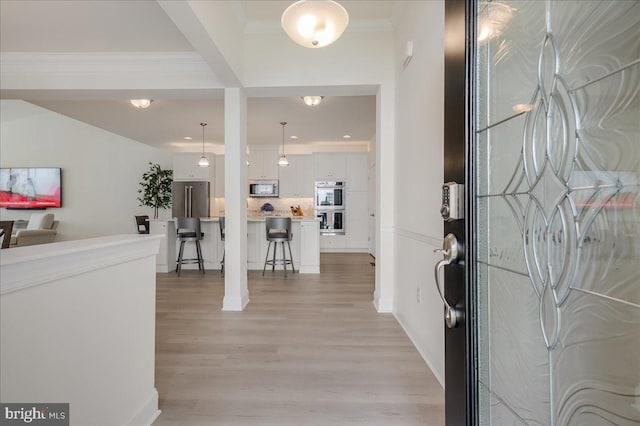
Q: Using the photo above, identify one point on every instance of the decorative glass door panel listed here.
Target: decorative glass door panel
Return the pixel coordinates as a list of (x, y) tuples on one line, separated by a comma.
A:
[(558, 212)]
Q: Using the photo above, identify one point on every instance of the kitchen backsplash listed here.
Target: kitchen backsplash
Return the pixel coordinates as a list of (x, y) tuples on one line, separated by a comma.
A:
[(281, 206)]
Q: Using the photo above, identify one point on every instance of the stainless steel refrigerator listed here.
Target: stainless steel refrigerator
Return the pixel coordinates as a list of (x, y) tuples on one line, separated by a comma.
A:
[(190, 199)]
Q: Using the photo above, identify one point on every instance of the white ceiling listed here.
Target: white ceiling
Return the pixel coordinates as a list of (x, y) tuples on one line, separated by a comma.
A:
[(143, 26)]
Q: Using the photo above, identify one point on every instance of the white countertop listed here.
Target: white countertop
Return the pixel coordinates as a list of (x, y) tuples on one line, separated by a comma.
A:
[(251, 218)]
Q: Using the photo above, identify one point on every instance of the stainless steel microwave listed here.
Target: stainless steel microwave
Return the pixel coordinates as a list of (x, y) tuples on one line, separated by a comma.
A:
[(263, 188)]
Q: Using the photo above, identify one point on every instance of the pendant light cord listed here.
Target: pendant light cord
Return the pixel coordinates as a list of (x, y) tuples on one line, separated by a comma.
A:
[(203, 124), (284, 123)]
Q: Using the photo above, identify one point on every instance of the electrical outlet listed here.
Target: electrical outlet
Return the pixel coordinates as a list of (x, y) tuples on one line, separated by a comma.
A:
[(419, 296)]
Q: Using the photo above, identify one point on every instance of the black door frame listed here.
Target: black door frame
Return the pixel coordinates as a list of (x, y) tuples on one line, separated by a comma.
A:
[(461, 384)]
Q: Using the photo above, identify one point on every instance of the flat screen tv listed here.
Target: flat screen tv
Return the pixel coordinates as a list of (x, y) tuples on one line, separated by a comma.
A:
[(30, 188)]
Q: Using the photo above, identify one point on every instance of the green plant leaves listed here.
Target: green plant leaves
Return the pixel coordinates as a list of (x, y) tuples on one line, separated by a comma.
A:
[(155, 187)]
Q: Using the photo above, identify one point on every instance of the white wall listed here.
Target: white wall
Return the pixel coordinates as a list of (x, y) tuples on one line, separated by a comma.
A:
[(101, 171), (419, 173), (77, 325)]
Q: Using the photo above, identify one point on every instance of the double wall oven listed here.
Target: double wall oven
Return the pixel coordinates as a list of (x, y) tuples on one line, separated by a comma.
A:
[(329, 207)]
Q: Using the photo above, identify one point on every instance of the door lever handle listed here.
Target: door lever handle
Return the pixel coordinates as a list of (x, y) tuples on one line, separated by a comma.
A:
[(451, 252)]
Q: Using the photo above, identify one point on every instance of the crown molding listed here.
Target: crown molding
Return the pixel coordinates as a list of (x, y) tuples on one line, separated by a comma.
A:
[(64, 70)]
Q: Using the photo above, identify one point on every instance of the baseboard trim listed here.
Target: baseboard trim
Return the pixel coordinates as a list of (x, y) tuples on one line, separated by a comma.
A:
[(383, 305), (309, 269), (438, 377), (235, 303), (344, 250), (163, 269), (148, 413)]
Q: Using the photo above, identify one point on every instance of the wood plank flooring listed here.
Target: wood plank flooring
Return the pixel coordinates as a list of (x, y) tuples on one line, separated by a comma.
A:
[(309, 350)]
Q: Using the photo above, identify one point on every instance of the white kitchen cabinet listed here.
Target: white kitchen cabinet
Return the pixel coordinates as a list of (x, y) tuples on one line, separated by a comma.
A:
[(333, 242), (165, 259), (329, 166), (306, 183), (263, 163), (185, 167), (310, 243), (296, 180), (357, 223), (256, 244), (219, 180), (357, 171)]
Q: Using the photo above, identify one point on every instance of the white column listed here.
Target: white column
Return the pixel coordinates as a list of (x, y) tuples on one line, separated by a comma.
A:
[(385, 181), (236, 293)]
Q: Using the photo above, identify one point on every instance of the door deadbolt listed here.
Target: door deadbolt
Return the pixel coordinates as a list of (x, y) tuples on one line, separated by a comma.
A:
[(451, 252)]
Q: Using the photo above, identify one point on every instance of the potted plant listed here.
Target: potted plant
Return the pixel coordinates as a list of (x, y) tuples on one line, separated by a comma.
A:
[(156, 188)]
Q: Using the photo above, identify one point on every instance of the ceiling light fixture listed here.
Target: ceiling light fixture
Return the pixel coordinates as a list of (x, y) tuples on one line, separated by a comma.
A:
[(314, 24), (312, 100), (347, 136), (203, 162), (283, 162), (293, 137), (188, 138), (141, 103)]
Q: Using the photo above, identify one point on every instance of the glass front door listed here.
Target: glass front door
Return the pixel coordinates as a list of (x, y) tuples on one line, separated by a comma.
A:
[(557, 252)]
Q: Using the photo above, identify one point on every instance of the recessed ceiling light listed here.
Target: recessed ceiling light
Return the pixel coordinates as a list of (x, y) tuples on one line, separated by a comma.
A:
[(293, 137), (141, 103), (347, 136), (188, 138)]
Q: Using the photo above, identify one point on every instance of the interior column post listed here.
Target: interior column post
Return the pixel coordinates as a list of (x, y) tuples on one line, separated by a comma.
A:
[(236, 293), (385, 199)]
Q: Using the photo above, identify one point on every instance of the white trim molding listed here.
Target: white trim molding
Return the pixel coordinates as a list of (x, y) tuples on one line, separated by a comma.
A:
[(235, 303), (24, 267), (383, 305), (148, 412), (105, 70), (423, 238), (436, 372)]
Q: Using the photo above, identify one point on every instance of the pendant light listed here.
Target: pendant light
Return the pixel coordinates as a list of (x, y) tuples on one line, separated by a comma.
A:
[(283, 162), (203, 162)]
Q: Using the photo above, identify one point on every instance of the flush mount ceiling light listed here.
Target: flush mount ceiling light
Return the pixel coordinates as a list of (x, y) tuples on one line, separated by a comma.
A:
[(203, 162), (283, 162), (141, 103), (312, 100), (314, 23)]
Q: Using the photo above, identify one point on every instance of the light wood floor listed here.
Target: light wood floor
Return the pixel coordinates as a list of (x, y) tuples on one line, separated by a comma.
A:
[(309, 350)]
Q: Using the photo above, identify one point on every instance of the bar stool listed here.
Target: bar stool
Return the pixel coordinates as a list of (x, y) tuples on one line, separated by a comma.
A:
[(142, 224), (224, 251), (278, 231), (188, 230)]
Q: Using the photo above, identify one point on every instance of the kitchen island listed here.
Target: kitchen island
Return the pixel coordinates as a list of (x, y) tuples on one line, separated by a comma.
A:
[(305, 245)]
